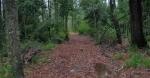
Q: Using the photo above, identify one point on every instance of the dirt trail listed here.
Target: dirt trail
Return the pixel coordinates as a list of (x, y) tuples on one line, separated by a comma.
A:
[(79, 58)]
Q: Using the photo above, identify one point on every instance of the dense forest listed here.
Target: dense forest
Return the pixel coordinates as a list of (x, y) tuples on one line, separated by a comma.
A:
[(28, 27)]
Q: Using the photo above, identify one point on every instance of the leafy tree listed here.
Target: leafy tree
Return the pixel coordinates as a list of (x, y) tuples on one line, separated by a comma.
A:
[(28, 13), (65, 7), (114, 20)]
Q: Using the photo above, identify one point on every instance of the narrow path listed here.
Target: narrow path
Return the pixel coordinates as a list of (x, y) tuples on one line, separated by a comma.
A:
[(80, 58), (73, 59)]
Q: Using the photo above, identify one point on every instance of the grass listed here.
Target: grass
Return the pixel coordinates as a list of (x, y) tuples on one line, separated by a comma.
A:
[(118, 56), (44, 46), (48, 46), (137, 60), (134, 48), (35, 59), (40, 60), (4, 70)]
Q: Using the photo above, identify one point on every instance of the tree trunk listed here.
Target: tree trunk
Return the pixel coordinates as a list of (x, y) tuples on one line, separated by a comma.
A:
[(136, 23), (115, 22), (49, 8), (56, 9), (56, 15), (13, 39), (42, 10), (66, 27), (1, 30)]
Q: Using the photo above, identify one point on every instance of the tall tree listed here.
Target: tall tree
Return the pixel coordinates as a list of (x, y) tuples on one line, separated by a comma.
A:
[(12, 29), (1, 31), (114, 20), (65, 8), (136, 23), (49, 8)]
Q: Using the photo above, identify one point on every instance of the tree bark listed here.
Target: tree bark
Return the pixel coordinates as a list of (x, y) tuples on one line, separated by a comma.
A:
[(13, 39), (136, 23)]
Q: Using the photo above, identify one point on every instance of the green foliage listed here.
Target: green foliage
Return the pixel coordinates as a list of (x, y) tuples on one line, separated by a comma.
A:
[(5, 71), (48, 46), (28, 16), (39, 59), (146, 17), (148, 52), (137, 60), (35, 59), (111, 34), (118, 56), (134, 48), (83, 28)]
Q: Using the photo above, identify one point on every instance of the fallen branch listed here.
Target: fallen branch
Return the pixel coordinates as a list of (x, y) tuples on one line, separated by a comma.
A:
[(28, 53)]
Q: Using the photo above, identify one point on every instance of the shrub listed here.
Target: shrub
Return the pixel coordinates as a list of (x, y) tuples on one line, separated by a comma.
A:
[(83, 28), (137, 60)]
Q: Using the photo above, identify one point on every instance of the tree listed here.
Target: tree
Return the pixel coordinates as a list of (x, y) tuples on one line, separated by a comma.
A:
[(49, 8), (1, 31), (114, 20), (136, 23), (13, 39), (65, 8)]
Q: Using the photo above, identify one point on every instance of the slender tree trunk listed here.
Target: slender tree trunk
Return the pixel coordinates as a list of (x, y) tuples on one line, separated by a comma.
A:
[(56, 9), (13, 38), (1, 30), (56, 13), (49, 8), (136, 23), (42, 10), (66, 27), (114, 19)]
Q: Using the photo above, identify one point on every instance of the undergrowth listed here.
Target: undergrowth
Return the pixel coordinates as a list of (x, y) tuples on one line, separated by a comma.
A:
[(4, 68), (118, 56), (43, 46), (137, 59)]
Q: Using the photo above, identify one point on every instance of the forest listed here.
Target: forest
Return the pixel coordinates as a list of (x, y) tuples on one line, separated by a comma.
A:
[(74, 38)]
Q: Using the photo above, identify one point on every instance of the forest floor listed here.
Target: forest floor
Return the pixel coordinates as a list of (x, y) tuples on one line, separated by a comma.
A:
[(81, 58)]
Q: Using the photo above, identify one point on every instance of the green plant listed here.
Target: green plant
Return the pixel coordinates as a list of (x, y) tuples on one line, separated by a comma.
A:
[(118, 56), (137, 60), (48, 46), (83, 28), (4, 71), (35, 59), (133, 48)]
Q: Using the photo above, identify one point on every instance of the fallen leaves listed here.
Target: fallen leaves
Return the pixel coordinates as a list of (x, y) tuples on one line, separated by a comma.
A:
[(77, 59)]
